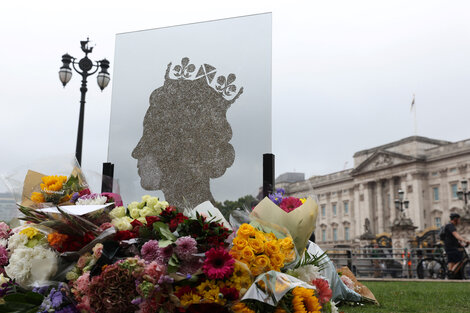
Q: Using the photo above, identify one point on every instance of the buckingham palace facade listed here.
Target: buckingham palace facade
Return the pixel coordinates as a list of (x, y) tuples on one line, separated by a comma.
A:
[(429, 171)]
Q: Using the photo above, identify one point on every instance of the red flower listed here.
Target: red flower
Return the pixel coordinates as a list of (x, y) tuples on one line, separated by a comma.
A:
[(124, 235), (84, 192), (323, 290), (183, 290), (152, 219), (218, 264), (289, 204), (231, 294)]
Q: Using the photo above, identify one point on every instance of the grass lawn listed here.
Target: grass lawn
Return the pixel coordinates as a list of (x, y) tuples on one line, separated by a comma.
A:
[(416, 297)]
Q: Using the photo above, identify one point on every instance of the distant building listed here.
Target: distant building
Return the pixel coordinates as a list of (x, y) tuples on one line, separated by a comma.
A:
[(429, 171), (8, 208)]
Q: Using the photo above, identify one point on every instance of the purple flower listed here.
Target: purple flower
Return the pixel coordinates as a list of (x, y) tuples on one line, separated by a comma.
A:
[(68, 309), (56, 298), (75, 197), (277, 196)]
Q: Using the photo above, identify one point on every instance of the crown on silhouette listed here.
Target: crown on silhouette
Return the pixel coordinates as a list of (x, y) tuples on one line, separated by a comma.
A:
[(223, 85)]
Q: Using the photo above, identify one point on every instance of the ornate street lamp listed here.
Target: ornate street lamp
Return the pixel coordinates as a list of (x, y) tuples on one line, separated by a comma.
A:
[(86, 67), (401, 204), (464, 195)]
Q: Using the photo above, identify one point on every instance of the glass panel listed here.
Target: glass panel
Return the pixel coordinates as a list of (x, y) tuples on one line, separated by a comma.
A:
[(334, 209), (335, 234), (323, 235), (220, 149), (346, 233), (436, 193), (346, 208), (437, 221)]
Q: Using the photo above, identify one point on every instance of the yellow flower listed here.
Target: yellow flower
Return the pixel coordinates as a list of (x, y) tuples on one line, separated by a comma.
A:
[(207, 285), (247, 254), (272, 247), (286, 244), (270, 236), (260, 236), (53, 183), (256, 244), (213, 296), (304, 301), (245, 231), (37, 197), (262, 261), (30, 232), (241, 307), (239, 243), (277, 260), (189, 298), (302, 200)]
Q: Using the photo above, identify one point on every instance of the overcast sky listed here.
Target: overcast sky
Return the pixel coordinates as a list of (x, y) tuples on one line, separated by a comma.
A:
[(344, 74)]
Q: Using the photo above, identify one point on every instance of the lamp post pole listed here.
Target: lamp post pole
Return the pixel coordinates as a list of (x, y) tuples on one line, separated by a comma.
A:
[(86, 68)]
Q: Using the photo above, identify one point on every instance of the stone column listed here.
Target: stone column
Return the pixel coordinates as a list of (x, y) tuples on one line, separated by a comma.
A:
[(380, 207), (357, 210), (416, 201), (393, 196)]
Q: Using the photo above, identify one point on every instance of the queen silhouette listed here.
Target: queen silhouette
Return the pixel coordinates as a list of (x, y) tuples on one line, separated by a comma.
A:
[(186, 135)]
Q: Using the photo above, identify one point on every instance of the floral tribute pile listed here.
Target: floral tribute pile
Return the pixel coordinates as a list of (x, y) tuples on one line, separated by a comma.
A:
[(150, 257)]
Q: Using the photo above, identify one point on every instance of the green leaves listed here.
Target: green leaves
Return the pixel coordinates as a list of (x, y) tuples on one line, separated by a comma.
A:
[(164, 231), (28, 302)]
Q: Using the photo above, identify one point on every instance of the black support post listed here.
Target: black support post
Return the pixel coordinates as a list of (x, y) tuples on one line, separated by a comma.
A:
[(268, 174), (107, 180)]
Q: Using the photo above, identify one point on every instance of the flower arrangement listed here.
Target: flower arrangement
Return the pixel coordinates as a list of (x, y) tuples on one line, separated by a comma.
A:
[(57, 189), (261, 251), (152, 257)]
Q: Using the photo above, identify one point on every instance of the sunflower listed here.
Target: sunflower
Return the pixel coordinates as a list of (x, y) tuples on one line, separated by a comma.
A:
[(304, 301)]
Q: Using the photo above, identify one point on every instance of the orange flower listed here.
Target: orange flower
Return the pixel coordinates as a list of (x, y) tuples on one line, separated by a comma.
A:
[(286, 244), (277, 260), (262, 261), (270, 236), (241, 307), (245, 231), (239, 243), (247, 254), (56, 240), (272, 247), (257, 245)]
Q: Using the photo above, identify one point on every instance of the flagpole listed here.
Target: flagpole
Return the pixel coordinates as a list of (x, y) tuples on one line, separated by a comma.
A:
[(413, 107)]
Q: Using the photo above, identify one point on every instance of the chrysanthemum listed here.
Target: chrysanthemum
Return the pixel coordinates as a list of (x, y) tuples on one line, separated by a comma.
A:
[(185, 247), (218, 263), (150, 250)]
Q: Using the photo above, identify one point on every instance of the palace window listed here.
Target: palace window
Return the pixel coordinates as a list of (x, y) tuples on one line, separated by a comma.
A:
[(346, 233), (323, 210), (346, 207), (437, 222), (435, 193), (323, 235), (454, 191), (335, 234), (334, 209)]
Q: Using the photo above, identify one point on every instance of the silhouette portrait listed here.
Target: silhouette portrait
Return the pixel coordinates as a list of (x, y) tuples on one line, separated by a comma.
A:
[(186, 135)]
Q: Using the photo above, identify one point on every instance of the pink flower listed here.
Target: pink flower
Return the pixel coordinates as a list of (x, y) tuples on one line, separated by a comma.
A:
[(323, 290), (83, 260), (150, 250), (218, 264), (154, 271), (3, 256), (190, 266), (97, 250), (347, 281), (4, 230), (290, 204), (105, 226), (186, 247), (82, 282)]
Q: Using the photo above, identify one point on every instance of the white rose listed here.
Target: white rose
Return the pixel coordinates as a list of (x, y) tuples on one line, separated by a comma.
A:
[(152, 201), (123, 223), (142, 220), (146, 211), (3, 279), (134, 213), (146, 198), (162, 205), (118, 212), (133, 205)]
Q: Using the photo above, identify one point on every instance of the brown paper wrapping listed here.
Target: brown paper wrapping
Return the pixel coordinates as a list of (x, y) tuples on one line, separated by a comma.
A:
[(359, 288)]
